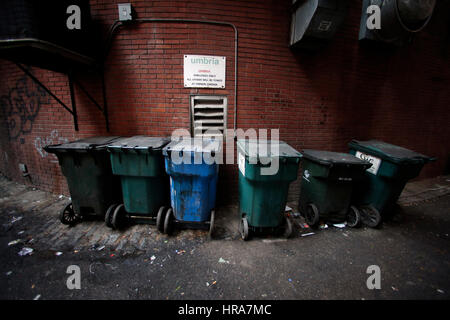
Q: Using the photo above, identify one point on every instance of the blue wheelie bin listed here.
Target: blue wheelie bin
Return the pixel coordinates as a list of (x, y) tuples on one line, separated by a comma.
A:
[(193, 174)]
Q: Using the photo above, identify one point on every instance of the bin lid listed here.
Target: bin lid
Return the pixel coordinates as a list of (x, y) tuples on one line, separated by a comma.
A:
[(139, 143), (91, 143), (388, 151), (329, 158), (256, 149), (188, 144)]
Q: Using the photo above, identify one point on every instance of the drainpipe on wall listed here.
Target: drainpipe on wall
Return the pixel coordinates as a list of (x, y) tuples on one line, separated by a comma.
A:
[(119, 23)]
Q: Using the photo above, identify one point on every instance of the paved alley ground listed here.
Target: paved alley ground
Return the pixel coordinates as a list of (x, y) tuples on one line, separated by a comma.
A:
[(412, 251)]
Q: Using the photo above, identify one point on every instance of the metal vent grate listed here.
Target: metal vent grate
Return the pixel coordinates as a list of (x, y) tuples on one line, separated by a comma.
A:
[(208, 113)]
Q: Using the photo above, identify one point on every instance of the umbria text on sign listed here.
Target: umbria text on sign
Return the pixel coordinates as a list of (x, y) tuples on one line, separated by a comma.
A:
[(204, 71)]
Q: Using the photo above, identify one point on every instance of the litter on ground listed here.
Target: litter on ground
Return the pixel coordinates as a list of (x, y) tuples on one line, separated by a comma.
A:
[(221, 260), (273, 240), (25, 251), (11, 243), (15, 219), (307, 234)]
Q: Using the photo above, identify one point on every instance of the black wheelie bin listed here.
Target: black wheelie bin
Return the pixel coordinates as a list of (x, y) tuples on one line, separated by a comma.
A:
[(93, 188)]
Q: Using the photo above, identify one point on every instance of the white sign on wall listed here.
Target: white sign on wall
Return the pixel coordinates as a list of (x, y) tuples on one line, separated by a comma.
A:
[(204, 71), (373, 160)]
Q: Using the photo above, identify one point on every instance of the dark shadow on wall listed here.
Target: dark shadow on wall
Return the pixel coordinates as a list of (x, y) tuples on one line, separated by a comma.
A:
[(447, 167), (374, 92), (345, 81)]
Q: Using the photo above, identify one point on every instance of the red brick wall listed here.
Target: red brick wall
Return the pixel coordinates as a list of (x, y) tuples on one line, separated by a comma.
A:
[(317, 101)]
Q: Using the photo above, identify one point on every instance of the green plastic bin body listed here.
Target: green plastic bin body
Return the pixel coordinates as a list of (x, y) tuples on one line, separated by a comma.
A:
[(392, 168), (327, 182), (86, 166), (139, 163), (262, 197)]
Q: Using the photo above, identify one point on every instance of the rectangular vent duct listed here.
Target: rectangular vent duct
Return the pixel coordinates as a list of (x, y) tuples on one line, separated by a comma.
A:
[(208, 115)]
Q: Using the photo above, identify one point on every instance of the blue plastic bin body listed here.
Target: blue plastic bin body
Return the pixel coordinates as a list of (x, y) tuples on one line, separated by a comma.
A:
[(192, 188)]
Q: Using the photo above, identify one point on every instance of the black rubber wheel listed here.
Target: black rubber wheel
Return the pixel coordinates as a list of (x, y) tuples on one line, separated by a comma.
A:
[(243, 229), (287, 228), (118, 218), (109, 214), (353, 217), (68, 216), (370, 216), (312, 215), (160, 219), (168, 222), (211, 224)]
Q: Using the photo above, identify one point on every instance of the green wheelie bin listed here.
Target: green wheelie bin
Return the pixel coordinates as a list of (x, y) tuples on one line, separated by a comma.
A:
[(327, 185), (392, 167), (264, 185), (92, 186), (139, 162)]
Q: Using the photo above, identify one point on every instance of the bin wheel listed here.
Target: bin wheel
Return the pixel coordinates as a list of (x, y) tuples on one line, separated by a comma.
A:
[(168, 222), (211, 224), (312, 215), (287, 228), (160, 219), (353, 217), (68, 216), (109, 214), (243, 229), (370, 216), (118, 217)]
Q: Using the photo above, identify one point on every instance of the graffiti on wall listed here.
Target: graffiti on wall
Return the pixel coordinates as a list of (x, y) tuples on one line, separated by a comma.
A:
[(53, 138), (21, 106)]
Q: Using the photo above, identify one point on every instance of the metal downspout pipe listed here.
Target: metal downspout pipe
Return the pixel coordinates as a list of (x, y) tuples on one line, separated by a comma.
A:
[(119, 23)]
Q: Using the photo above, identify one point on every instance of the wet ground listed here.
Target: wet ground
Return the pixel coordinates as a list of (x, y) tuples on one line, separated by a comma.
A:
[(411, 250)]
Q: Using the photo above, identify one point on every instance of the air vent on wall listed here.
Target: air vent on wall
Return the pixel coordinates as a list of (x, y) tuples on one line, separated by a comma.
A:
[(399, 20), (315, 22), (208, 115)]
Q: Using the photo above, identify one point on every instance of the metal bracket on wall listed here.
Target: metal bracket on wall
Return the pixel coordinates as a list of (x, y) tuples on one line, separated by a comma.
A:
[(104, 110), (73, 111)]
